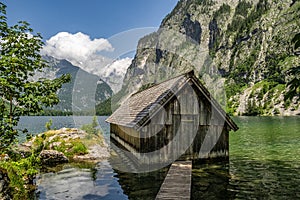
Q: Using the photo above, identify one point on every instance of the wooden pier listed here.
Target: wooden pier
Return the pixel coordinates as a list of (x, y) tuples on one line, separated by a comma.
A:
[(177, 184)]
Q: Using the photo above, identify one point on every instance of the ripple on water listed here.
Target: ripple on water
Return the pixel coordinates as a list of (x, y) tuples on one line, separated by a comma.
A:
[(80, 183)]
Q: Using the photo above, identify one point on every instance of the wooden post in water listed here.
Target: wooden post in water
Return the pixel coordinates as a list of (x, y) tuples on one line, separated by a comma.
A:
[(177, 184)]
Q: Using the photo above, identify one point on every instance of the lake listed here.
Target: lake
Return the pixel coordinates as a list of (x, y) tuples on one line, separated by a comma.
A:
[(264, 164)]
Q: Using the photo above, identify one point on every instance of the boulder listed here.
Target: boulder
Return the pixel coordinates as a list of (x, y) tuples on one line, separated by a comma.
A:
[(51, 157), (77, 144)]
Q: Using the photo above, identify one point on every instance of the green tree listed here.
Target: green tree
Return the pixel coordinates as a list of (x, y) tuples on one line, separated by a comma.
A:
[(20, 94), (294, 84)]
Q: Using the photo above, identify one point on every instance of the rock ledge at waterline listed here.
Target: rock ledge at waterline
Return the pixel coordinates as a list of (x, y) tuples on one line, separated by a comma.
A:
[(67, 144)]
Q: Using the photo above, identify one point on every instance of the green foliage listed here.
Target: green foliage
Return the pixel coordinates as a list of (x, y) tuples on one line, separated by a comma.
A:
[(71, 148), (276, 111), (91, 128), (231, 107), (294, 84), (51, 112), (95, 123), (78, 148), (206, 2), (233, 89), (242, 21), (223, 10), (253, 109), (296, 41), (111, 104), (19, 60), (287, 103), (48, 125), (104, 108), (21, 173)]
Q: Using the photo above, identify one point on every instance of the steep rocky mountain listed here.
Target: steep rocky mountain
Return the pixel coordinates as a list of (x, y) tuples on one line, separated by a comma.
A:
[(244, 51), (82, 93)]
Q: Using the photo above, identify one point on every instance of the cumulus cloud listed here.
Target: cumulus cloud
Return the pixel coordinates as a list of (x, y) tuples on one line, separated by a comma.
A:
[(84, 52), (77, 48)]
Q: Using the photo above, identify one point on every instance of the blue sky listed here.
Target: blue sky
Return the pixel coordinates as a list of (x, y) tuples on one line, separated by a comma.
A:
[(98, 36), (96, 18)]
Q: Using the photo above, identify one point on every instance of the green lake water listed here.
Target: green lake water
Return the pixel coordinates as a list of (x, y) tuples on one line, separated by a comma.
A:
[(264, 164)]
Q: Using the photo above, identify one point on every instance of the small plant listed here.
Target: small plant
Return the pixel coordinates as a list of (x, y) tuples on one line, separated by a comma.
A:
[(79, 148), (48, 125), (71, 148), (91, 128)]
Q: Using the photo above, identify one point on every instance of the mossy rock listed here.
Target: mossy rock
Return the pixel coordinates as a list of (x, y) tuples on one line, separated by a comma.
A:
[(67, 144)]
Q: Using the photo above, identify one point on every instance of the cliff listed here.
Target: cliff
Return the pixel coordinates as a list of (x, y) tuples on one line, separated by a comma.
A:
[(245, 52)]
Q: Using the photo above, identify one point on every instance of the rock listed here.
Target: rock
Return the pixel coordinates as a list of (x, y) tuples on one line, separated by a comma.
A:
[(4, 185), (54, 144), (249, 45), (51, 157), (95, 153), (24, 150), (76, 143), (4, 157)]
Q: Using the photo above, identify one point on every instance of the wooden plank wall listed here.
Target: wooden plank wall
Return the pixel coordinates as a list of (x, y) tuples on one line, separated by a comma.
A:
[(187, 116)]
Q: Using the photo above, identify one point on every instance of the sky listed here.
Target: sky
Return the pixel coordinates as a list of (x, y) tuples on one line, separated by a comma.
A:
[(98, 36), (96, 18)]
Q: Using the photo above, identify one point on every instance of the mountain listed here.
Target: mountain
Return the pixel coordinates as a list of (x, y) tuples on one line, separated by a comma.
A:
[(82, 93), (245, 52)]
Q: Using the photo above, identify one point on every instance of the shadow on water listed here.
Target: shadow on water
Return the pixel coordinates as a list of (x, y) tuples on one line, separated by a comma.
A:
[(100, 181), (246, 179), (210, 181), (142, 185)]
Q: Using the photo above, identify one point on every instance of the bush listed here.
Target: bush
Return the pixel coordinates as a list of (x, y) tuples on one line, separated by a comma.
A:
[(48, 125), (91, 128), (21, 174)]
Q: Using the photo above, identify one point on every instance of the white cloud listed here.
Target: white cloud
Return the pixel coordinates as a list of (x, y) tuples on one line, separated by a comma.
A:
[(77, 48), (118, 67), (82, 51), (114, 73)]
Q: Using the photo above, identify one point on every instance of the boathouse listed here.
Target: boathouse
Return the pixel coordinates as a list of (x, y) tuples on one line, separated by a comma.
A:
[(177, 118)]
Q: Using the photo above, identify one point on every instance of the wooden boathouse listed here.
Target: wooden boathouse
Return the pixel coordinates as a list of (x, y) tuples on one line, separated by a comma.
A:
[(177, 118)]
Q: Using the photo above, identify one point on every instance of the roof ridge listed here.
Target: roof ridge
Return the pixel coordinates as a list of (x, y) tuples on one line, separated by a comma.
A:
[(187, 74)]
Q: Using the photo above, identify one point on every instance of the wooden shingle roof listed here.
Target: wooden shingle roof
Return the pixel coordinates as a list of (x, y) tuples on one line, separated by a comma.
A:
[(140, 106)]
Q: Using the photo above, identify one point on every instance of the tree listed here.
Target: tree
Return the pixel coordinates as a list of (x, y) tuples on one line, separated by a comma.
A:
[(20, 94), (294, 84)]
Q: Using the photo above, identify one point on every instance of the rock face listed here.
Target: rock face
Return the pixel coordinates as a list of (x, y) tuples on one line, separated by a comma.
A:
[(83, 92), (248, 46)]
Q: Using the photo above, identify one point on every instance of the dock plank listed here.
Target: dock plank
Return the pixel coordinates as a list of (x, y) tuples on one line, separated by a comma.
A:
[(177, 184)]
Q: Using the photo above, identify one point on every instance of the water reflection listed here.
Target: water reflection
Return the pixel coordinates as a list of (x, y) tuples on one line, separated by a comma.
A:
[(246, 179), (211, 181), (266, 179), (97, 182), (142, 185), (80, 182), (264, 164)]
